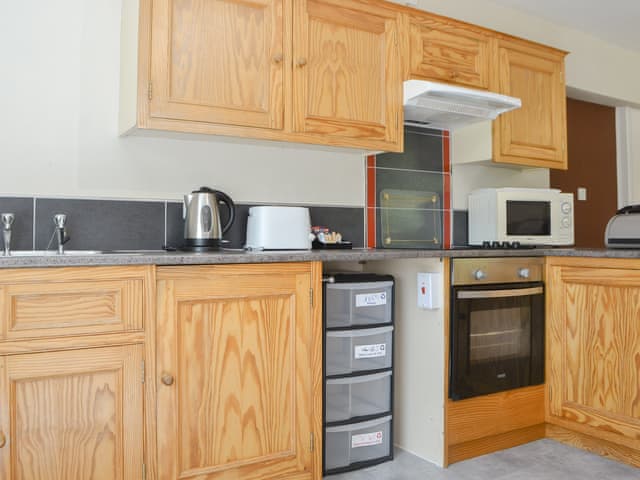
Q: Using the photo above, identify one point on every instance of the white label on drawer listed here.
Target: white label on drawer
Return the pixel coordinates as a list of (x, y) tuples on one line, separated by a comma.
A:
[(366, 439), (370, 351), (371, 299)]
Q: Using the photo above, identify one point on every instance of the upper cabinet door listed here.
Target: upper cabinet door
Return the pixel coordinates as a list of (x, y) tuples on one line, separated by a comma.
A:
[(346, 72), (448, 52), (218, 61), (535, 134)]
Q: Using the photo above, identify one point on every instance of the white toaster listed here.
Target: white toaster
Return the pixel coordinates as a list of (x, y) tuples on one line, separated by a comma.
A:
[(278, 228)]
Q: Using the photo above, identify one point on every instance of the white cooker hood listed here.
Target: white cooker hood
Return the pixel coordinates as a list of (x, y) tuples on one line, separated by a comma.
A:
[(441, 106)]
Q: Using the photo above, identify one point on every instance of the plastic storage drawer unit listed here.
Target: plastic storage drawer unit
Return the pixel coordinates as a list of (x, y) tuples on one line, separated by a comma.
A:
[(356, 304), (359, 442), (352, 351), (353, 397)]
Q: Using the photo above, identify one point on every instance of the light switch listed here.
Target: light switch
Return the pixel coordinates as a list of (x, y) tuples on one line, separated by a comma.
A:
[(582, 194), (429, 291)]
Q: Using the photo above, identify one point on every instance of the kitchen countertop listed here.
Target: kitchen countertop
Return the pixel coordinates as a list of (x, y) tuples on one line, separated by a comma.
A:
[(230, 257)]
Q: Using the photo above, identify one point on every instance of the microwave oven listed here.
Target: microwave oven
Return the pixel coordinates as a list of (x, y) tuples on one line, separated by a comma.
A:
[(530, 216)]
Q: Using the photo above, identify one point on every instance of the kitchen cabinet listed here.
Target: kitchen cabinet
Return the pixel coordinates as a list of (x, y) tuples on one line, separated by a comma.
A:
[(310, 71), (218, 61), (593, 350), (536, 134), (346, 74), (72, 372), (72, 414), (448, 51), (239, 370)]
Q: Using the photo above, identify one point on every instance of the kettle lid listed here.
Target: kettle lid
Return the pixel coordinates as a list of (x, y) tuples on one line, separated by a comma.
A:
[(204, 190)]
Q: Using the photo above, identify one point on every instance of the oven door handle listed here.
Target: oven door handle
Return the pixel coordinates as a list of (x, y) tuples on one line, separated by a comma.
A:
[(516, 292)]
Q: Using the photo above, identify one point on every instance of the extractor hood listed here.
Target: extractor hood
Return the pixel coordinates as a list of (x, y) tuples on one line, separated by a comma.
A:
[(441, 106)]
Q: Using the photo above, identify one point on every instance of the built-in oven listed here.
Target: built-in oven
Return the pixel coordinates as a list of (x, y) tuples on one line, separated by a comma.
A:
[(497, 325)]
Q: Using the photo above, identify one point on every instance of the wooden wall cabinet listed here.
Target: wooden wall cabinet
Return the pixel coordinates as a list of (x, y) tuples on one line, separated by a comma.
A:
[(448, 51), (72, 372), (311, 71), (346, 74), (536, 134), (239, 364), (593, 352)]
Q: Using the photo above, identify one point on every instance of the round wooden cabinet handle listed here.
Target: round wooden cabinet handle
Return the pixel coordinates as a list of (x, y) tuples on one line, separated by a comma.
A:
[(3, 439), (301, 62), (278, 58), (167, 379)]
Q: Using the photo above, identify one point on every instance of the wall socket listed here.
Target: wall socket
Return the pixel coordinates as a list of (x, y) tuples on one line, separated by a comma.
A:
[(582, 194)]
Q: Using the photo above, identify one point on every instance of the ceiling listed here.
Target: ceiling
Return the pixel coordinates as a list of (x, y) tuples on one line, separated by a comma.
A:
[(615, 21)]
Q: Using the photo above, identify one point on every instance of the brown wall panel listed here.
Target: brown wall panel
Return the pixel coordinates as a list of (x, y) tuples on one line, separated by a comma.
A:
[(591, 140)]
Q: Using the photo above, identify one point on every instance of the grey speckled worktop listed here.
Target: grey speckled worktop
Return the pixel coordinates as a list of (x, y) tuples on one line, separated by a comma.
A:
[(229, 257)]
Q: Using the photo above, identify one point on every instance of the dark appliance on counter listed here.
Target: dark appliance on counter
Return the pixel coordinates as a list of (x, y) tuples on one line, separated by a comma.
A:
[(497, 325), (203, 230), (358, 371)]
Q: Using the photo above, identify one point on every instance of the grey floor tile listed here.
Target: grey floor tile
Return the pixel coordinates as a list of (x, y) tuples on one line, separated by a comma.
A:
[(541, 460)]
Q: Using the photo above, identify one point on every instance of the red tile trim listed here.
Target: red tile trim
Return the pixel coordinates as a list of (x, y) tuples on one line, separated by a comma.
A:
[(446, 164), (371, 201)]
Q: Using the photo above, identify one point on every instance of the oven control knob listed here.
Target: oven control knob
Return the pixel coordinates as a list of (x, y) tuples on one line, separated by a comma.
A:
[(566, 222), (479, 275), (524, 273), (565, 207)]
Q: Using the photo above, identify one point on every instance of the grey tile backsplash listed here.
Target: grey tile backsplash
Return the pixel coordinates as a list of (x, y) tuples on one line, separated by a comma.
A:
[(140, 225), (22, 230), (102, 224)]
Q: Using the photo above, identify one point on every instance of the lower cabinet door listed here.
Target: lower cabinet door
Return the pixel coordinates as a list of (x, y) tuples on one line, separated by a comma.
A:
[(72, 415), (236, 374)]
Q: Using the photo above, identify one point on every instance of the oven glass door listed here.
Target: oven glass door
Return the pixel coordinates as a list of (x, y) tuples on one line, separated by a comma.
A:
[(497, 338)]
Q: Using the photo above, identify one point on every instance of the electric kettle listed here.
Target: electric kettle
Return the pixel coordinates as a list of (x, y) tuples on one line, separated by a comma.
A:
[(202, 226)]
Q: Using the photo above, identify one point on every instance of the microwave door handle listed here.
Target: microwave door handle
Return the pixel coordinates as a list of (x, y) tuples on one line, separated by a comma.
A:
[(516, 292)]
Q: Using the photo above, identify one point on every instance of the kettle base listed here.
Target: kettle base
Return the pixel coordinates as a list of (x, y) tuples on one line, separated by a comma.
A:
[(200, 245)]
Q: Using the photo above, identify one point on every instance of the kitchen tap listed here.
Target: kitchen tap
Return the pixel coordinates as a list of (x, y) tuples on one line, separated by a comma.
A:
[(7, 222), (60, 220)]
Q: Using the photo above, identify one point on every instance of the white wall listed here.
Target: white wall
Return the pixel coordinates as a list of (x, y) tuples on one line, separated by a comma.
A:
[(58, 128), (628, 150), (471, 151), (419, 362)]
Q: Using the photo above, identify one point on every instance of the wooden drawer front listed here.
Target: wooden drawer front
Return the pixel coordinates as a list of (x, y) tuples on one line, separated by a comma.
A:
[(46, 305), (449, 53)]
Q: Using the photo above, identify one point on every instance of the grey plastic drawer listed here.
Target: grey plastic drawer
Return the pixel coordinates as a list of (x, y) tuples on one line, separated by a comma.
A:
[(349, 304), (352, 351), (358, 442), (352, 397)]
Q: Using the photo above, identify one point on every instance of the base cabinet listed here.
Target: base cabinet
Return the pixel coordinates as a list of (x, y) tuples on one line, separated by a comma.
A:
[(74, 414), (238, 361), (593, 351)]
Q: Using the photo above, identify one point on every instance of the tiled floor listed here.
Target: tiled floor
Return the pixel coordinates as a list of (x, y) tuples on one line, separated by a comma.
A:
[(541, 460)]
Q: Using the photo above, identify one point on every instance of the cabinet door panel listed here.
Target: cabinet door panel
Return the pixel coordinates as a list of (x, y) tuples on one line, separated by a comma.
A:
[(594, 347), (239, 351), (72, 415), (218, 61), (346, 71), (449, 53), (536, 133)]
